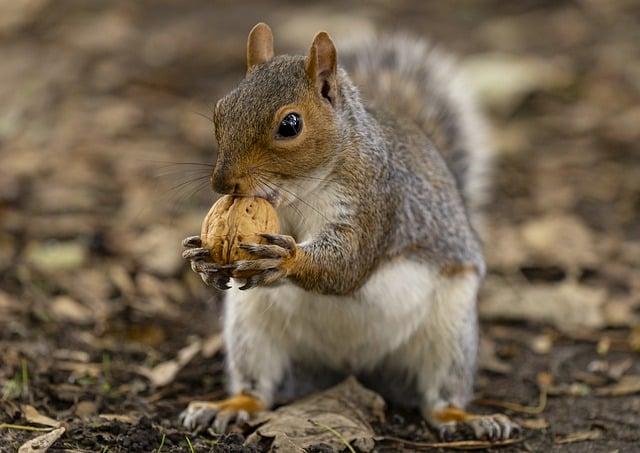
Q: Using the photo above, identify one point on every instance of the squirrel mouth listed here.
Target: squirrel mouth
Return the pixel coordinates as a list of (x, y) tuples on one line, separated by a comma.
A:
[(272, 197)]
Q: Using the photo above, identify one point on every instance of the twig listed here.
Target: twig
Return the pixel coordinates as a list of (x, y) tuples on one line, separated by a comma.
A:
[(335, 433), (23, 427), (544, 381), (457, 445)]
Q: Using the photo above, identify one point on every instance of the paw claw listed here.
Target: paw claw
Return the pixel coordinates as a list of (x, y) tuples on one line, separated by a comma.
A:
[(265, 251), (281, 240), (257, 265), (216, 417), (447, 431), (192, 241), (196, 254), (494, 427), (203, 267), (221, 282), (265, 278), (196, 418), (222, 421)]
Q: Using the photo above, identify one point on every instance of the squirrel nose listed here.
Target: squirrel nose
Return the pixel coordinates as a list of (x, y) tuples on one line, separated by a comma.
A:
[(224, 184)]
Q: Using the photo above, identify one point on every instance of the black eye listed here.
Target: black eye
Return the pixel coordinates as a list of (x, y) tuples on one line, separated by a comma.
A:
[(290, 126)]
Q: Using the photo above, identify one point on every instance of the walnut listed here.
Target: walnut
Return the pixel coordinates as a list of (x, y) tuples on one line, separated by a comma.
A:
[(234, 220)]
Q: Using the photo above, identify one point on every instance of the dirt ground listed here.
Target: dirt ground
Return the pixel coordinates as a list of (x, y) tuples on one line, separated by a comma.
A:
[(104, 104)]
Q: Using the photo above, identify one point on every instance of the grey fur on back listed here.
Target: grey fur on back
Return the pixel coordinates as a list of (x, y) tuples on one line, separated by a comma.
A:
[(416, 80)]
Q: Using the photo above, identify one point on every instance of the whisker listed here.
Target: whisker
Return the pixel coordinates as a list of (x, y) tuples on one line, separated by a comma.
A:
[(210, 119), (177, 176), (297, 175), (190, 181), (185, 197), (169, 163), (295, 208), (301, 200), (174, 194)]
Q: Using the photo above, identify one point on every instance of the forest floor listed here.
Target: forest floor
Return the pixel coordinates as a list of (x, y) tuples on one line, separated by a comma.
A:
[(106, 332)]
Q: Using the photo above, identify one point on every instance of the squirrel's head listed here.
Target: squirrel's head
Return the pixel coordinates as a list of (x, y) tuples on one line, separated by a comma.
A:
[(279, 127)]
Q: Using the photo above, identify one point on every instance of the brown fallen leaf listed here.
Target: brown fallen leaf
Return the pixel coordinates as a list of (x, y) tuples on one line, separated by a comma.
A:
[(579, 436), (41, 443), (489, 361), (80, 369), (71, 356), (625, 386), (617, 369), (568, 305), (65, 308), (164, 373), (339, 418), (32, 415)]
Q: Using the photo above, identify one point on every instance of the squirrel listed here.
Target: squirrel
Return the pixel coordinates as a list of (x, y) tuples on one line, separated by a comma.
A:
[(376, 167)]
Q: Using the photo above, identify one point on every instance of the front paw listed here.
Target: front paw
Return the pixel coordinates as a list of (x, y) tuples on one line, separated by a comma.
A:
[(270, 262), (212, 274)]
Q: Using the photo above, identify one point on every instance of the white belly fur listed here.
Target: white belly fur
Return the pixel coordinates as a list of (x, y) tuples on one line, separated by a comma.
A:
[(346, 333)]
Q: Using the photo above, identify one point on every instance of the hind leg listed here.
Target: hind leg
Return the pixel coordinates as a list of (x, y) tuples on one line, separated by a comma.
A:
[(256, 365), (444, 353)]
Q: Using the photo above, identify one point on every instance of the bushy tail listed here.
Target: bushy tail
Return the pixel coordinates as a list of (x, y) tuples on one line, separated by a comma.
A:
[(418, 80)]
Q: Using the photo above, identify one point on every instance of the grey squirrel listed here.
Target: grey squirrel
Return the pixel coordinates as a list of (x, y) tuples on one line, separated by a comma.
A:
[(375, 167)]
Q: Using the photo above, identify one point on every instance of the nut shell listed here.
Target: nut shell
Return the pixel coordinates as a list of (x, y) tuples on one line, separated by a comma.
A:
[(235, 220)]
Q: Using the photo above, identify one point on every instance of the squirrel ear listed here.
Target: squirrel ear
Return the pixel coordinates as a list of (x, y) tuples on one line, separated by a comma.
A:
[(259, 45), (321, 66)]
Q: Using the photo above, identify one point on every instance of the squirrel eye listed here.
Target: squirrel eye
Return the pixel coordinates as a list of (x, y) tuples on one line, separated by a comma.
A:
[(290, 126)]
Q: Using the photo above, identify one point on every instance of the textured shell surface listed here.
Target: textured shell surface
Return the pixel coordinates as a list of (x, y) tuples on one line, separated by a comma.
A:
[(232, 221)]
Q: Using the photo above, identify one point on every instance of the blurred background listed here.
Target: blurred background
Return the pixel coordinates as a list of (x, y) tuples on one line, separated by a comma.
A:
[(104, 117)]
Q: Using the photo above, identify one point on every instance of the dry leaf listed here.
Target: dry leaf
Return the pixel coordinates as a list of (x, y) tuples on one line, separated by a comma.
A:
[(32, 415), (560, 240), (567, 305), (579, 436), (165, 372), (336, 417), (617, 369), (158, 250), (80, 369), (65, 308), (626, 386), (488, 360), (73, 356), (502, 81), (42, 443)]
